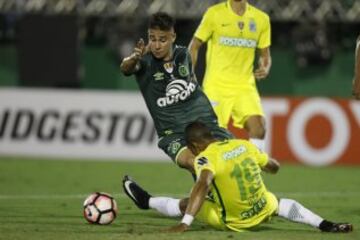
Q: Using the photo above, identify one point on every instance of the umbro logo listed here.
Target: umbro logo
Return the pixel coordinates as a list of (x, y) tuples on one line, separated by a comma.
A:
[(158, 76), (225, 24)]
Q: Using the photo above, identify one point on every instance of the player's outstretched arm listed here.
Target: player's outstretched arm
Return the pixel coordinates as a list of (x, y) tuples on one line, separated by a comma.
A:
[(264, 64), (130, 64), (356, 81), (272, 166), (196, 200), (194, 47)]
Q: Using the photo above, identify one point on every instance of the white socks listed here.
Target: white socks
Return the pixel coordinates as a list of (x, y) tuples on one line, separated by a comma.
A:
[(167, 206), (259, 143), (294, 211)]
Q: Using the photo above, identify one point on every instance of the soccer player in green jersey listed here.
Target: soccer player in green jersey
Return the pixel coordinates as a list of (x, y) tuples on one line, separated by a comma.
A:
[(231, 171), (356, 81), (167, 82)]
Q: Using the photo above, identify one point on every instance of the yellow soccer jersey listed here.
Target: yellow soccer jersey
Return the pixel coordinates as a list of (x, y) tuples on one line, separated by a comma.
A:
[(237, 187), (232, 41)]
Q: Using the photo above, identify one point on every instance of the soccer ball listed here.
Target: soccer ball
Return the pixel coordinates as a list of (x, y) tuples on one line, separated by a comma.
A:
[(100, 208)]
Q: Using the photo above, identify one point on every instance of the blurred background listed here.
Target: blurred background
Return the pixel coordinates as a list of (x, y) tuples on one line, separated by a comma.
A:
[(77, 45)]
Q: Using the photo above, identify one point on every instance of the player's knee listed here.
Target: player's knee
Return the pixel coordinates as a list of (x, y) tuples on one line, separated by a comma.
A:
[(187, 163), (255, 126), (186, 160), (257, 132)]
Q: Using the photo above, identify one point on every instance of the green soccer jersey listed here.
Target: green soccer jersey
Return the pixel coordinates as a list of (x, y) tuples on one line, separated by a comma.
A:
[(171, 92)]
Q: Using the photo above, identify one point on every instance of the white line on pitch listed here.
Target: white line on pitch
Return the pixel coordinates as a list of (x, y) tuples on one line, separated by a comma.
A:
[(122, 195)]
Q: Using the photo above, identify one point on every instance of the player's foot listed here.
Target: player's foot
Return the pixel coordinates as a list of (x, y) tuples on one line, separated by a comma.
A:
[(327, 226), (342, 227), (139, 196)]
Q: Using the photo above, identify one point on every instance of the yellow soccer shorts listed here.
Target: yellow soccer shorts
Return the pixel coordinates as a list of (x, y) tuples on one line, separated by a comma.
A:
[(210, 213), (240, 104)]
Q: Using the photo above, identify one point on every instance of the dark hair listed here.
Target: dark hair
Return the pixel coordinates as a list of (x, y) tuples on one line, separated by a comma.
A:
[(162, 21), (197, 132)]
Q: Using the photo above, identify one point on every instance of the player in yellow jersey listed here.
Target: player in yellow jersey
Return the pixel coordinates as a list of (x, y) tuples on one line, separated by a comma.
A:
[(230, 171), (235, 32)]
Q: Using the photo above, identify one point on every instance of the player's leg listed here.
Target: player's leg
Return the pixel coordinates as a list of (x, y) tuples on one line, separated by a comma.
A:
[(185, 159), (175, 147), (294, 211), (210, 213), (167, 206), (171, 207), (255, 126), (247, 113)]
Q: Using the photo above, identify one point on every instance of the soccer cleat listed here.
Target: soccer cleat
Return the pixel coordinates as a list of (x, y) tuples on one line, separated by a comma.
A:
[(327, 226), (341, 228), (139, 196)]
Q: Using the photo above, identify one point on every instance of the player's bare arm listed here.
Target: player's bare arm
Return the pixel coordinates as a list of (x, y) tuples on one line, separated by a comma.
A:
[(356, 81), (264, 64), (196, 200), (130, 64), (194, 47), (272, 166)]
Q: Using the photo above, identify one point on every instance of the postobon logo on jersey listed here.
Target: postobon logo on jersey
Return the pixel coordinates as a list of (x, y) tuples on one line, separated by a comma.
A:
[(175, 91), (237, 42), (234, 153)]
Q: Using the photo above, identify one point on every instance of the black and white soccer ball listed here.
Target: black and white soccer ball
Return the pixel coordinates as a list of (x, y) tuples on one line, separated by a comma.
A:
[(100, 208)]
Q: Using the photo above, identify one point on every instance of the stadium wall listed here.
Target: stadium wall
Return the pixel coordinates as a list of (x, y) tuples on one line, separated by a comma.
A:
[(77, 124), (101, 71)]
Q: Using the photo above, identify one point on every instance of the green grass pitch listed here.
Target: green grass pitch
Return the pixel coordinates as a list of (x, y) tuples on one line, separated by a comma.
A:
[(43, 200)]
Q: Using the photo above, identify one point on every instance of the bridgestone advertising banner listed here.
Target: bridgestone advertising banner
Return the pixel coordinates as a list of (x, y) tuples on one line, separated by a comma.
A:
[(116, 125), (76, 124)]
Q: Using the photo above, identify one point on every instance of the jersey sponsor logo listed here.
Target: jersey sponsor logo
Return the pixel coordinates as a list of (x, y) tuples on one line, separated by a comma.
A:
[(237, 42), (256, 209), (234, 153), (169, 67), (177, 90), (158, 76), (252, 26)]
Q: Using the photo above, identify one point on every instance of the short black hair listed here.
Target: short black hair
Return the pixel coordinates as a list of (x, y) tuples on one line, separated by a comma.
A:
[(162, 21), (197, 132)]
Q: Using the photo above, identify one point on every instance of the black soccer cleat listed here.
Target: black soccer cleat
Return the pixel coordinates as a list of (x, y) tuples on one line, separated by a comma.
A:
[(139, 196), (327, 226), (342, 228)]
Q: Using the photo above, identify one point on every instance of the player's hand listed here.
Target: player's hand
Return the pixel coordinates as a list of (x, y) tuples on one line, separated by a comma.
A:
[(140, 50), (261, 73), (182, 227)]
